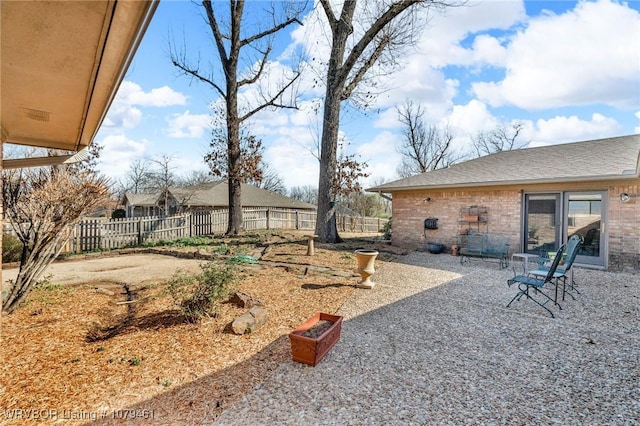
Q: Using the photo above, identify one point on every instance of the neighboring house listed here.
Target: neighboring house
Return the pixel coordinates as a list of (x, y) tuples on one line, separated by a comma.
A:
[(538, 196), (138, 205), (206, 197)]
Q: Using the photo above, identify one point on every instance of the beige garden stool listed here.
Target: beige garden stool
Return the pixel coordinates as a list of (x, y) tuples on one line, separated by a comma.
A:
[(310, 248)]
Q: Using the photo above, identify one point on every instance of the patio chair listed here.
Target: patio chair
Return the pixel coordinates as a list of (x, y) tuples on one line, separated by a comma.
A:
[(530, 287), (564, 272)]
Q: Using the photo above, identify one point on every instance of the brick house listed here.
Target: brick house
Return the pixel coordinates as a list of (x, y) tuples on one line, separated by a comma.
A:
[(537, 196)]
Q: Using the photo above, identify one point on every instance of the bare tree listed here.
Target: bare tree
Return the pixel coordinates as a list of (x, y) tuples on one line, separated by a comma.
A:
[(349, 170), (231, 42), (503, 138), (253, 170), (423, 148), (196, 177), (250, 155), (306, 193), (271, 180), (371, 205), (41, 205), (386, 27), (138, 178), (162, 177)]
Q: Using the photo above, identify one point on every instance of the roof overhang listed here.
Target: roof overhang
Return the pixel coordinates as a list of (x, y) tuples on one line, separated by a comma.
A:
[(62, 63), (392, 189)]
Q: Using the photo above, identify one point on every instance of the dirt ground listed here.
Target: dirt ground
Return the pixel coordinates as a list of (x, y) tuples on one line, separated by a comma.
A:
[(77, 350)]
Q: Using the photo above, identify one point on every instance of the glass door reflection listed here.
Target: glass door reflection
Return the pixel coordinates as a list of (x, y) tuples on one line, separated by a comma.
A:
[(541, 220), (585, 218)]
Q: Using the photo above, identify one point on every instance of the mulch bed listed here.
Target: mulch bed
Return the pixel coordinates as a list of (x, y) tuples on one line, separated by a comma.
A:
[(81, 353)]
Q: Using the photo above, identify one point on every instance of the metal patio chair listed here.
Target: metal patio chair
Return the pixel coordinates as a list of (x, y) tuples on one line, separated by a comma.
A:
[(530, 287), (564, 272)]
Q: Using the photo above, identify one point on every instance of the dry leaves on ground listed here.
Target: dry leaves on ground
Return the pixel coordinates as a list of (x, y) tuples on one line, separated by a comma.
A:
[(75, 353)]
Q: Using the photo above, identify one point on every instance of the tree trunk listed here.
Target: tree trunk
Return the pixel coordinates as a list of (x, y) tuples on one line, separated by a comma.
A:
[(326, 227), (34, 261), (233, 135)]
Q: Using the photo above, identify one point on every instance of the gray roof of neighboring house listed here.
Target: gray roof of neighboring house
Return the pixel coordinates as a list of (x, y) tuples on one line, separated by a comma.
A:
[(140, 199), (603, 159), (217, 195)]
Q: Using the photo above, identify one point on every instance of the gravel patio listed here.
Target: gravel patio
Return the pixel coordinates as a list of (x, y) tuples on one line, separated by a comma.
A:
[(433, 343)]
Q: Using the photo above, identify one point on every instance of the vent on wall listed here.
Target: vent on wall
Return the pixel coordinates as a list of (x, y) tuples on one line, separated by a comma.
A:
[(36, 114)]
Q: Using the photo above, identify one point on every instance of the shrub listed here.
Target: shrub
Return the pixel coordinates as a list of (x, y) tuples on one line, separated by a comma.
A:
[(11, 248), (118, 214), (386, 230), (197, 295)]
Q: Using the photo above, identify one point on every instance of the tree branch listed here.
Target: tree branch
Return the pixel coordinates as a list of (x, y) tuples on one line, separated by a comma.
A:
[(272, 102), (362, 71), (197, 75), (257, 75), (270, 31), (215, 29)]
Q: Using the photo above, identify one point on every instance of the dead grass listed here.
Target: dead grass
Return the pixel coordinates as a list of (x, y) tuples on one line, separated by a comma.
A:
[(78, 352)]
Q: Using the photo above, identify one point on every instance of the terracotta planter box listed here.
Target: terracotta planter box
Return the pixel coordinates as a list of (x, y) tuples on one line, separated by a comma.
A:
[(311, 350)]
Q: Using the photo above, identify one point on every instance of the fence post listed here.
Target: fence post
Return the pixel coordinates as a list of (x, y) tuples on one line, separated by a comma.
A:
[(268, 213), (140, 231), (78, 230), (100, 234)]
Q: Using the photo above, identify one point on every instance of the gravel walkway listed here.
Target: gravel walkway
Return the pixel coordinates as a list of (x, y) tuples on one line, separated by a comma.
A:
[(433, 343)]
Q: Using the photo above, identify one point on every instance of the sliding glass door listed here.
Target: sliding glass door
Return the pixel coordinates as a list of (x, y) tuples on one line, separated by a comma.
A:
[(551, 218), (585, 217), (542, 219)]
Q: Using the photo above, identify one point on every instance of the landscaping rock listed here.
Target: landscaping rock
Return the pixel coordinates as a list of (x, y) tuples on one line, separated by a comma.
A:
[(250, 321), (104, 291), (245, 300)]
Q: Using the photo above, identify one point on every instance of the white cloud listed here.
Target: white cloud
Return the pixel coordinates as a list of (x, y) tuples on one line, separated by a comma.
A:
[(441, 45), (487, 49), (118, 153), (131, 93), (187, 125), (585, 56), (474, 116), (571, 129), (637, 128), (295, 165), (123, 112), (122, 115), (381, 156)]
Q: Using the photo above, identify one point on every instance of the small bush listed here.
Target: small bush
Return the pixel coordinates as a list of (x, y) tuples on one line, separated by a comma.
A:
[(118, 214), (386, 230), (11, 248), (196, 295)]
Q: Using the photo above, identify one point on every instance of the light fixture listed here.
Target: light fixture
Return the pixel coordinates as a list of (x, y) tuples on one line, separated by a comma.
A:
[(426, 200), (624, 197)]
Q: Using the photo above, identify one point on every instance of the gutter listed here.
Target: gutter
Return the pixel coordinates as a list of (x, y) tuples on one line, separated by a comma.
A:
[(503, 183)]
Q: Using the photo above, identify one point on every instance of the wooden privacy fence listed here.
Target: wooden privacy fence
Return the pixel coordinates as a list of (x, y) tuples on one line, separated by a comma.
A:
[(105, 234)]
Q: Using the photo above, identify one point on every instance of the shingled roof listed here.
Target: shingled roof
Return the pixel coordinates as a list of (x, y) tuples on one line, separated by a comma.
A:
[(595, 160), (140, 199), (217, 195)]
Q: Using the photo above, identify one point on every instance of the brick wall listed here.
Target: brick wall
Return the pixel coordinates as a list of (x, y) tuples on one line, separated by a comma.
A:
[(624, 229), (411, 208)]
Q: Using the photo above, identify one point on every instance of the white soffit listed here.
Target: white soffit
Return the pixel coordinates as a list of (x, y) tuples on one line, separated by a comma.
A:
[(62, 63)]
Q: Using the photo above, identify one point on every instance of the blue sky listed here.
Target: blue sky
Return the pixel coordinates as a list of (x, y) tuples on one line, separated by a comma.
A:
[(566, 71)]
